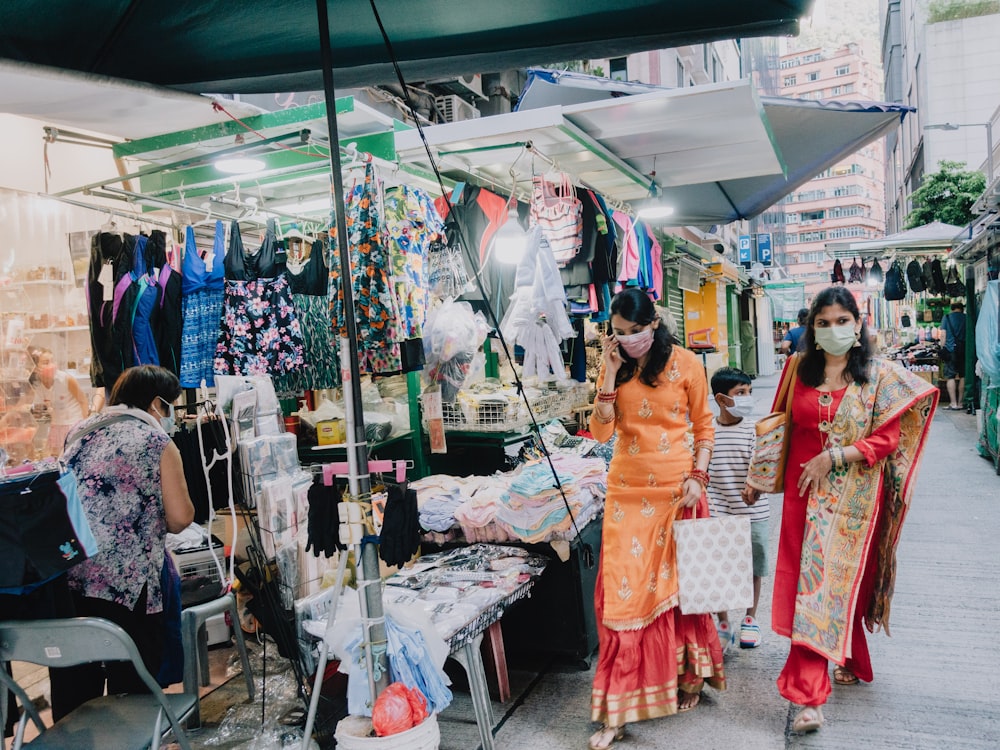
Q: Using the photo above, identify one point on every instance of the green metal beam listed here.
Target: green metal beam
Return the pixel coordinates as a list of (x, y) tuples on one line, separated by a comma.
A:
[(230, 128), (206, 179), (584, 139)]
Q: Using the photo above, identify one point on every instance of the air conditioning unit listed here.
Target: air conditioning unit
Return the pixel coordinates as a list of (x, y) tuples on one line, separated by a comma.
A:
[(468, 87), (454, 108)]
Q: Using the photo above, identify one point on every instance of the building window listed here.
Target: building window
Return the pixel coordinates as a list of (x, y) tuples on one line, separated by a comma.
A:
[(619, 68), (790, 63), (814, 57), (813, 76), (812, 215), (789, 80), (843, 70), (848, 88), (836, 91)]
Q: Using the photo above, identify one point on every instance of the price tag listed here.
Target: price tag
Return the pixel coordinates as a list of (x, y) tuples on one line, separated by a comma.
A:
[(107, 279)]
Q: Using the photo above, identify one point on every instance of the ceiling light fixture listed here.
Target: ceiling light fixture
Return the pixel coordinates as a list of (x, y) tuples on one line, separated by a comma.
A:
[(239, 165), (511, 240), (655, 211)]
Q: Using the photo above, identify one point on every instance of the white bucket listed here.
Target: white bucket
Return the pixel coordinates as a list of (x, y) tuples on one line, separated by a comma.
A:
[(352, 734)]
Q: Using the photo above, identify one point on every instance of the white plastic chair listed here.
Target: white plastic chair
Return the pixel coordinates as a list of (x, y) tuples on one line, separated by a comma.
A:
[(122, 722)]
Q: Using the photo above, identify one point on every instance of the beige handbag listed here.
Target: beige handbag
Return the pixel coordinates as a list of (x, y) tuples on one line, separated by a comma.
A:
[(767, 466)]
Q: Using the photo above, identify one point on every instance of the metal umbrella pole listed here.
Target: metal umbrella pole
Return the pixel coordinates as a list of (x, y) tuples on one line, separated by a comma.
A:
[(359, 481)]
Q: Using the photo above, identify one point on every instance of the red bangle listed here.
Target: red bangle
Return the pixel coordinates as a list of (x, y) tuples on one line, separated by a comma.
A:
[(607, 398), (701, 477)]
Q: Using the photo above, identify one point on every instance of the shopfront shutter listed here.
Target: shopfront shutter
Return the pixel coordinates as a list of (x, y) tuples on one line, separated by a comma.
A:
[(673, 299)]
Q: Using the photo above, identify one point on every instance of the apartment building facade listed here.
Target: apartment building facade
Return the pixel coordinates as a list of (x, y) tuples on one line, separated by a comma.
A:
[(845, 202), (941, 60)]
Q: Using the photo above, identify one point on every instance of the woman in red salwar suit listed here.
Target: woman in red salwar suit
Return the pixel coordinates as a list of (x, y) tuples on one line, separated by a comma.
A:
[(857, 430)]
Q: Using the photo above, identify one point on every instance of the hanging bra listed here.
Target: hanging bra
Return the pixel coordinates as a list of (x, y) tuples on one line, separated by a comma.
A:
[(196, 276)]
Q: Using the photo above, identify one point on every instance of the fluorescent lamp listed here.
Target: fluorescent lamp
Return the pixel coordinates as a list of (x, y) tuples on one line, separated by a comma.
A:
[(655, 211), (239, 165), (511, 240), (312, 205)]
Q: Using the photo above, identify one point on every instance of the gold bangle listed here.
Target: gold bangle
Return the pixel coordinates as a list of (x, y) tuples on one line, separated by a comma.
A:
[(605, 420)]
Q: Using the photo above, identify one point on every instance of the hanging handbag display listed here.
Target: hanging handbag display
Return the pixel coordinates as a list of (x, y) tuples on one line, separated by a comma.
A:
[(767, 465), (937, 275), (875, 273), (895, 284), (837, 277), (953, 284), (856, 273), (915, 276), (714, 564)]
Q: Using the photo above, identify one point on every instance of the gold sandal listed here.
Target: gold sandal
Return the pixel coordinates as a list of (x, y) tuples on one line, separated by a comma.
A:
[(617, 733), (844, 676), (808, 719)]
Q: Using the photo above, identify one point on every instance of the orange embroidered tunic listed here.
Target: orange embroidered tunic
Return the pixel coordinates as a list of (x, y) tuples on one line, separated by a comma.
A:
[(658, 431)]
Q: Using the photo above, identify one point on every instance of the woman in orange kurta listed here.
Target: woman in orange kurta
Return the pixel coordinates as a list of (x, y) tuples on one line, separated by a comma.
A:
[(653, 395), (858, 426)]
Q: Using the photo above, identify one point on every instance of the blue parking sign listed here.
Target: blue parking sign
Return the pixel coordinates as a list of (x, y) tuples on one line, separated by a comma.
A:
[(744, 250), (764, 249)]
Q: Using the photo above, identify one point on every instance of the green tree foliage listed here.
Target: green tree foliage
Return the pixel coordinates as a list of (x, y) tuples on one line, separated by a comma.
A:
[(954, 10), (946, 195)]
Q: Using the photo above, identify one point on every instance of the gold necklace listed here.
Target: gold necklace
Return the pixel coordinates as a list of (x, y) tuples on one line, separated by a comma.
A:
[(825, 401)]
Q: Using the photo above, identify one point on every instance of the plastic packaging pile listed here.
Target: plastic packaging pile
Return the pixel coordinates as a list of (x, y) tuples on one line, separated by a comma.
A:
[(452, 588), (452, 336)]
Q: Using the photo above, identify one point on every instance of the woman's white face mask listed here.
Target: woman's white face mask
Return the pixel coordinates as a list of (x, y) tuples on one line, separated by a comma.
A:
[(836, 340), (167, 420)]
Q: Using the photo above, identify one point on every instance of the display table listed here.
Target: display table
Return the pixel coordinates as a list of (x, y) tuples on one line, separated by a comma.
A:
[(466, 649), (559, 619)]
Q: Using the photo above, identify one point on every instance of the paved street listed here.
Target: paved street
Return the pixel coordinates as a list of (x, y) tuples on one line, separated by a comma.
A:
[(936, 679)]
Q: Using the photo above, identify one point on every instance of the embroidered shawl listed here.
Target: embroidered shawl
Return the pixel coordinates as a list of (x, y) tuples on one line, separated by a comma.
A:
[(841, 515)]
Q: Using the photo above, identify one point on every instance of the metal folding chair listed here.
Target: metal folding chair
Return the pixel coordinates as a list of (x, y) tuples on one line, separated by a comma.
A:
[(123, 722)]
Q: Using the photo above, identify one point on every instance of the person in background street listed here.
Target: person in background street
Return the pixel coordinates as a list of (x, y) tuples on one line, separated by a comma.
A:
[(132, 487), (653, 661), (954, 361), (60, 394), (857, 430), (728, 493), (790, 344)]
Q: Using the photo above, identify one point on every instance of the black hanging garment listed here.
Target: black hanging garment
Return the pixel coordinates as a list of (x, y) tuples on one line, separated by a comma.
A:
[(953, 284), (259, 332), (166, 318), (915, 277), (856, 273), (895, 284)]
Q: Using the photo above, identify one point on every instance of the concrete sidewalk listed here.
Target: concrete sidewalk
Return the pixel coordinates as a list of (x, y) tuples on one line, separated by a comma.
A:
[(936, 679)]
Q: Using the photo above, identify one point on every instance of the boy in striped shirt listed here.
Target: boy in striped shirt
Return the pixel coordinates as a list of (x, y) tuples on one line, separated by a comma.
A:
[(727, 490)]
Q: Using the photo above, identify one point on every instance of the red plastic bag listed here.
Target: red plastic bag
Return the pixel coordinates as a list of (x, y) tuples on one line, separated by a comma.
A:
[(397, 709)]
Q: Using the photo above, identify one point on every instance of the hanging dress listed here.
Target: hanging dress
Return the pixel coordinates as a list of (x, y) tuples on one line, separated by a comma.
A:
[(167, 314), (309, 283), (379, 328), (143, 304), (259, 332), (201, 309)]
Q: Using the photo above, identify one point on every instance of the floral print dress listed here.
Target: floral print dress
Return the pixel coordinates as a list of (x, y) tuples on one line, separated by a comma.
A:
[(380, 329), (309, 284), (259, 333)]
